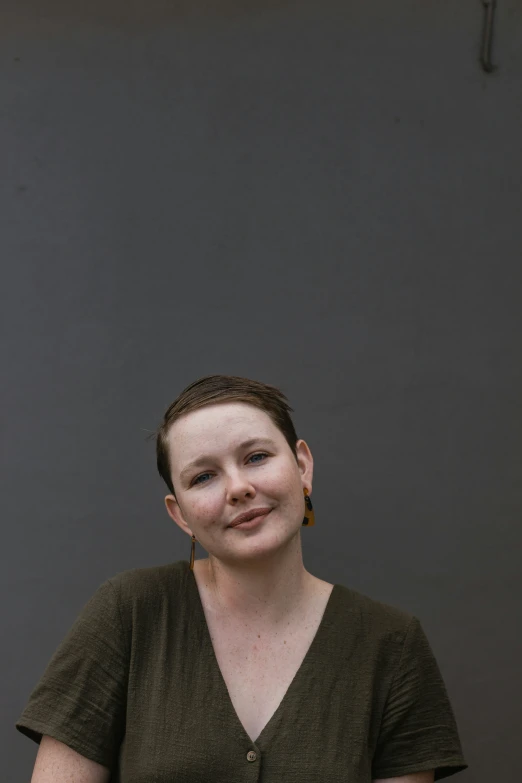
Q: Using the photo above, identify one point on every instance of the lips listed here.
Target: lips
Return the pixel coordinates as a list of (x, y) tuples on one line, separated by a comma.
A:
[(248, 515)]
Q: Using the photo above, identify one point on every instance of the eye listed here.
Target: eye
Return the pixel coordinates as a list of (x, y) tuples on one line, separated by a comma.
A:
[(202, 475), (197, 479), (259, 454)]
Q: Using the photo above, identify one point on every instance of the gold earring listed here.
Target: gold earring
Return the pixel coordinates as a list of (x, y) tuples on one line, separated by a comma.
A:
[(192, 553), (309, 517)]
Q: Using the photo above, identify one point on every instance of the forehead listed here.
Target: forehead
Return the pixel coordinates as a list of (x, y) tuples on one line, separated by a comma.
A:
[(216, 428)]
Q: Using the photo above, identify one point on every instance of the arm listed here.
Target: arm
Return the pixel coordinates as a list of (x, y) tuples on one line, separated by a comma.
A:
[(416, 777), (57, 763)]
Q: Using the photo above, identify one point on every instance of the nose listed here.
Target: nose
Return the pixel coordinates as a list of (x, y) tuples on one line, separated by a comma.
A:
[(238, 486)]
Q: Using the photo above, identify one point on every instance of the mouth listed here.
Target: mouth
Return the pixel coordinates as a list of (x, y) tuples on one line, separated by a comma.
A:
[(250, 518)]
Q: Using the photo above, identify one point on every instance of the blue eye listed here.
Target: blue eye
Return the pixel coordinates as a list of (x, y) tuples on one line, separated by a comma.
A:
[(202, 475), (259, 454), (197, 480)]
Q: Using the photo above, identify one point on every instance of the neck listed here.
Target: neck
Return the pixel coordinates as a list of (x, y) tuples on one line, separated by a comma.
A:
[(266, 591)]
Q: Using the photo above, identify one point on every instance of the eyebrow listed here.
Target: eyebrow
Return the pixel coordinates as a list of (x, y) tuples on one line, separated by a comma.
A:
[(205, 458)]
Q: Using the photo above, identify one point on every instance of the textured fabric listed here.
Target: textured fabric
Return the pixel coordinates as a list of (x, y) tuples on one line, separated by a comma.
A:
[(135, 685)]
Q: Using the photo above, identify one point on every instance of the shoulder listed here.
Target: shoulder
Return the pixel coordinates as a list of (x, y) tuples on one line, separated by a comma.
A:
[(152, 575), (372, 624), (142, 586), (373, 613)]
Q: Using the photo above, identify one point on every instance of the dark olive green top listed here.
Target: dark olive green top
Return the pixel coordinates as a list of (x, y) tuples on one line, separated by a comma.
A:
[(135, 685)]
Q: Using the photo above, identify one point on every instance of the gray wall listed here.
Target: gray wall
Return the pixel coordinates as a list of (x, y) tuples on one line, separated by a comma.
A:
[(321, 195)]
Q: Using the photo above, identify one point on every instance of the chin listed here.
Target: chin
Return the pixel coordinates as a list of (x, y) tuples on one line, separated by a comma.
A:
[(263, 546)]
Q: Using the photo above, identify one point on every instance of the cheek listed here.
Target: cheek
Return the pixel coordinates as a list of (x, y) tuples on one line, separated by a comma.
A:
[(206, 509), (282, 482)]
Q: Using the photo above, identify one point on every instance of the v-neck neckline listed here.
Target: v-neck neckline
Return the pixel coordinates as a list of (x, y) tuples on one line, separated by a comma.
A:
[(265, 732)]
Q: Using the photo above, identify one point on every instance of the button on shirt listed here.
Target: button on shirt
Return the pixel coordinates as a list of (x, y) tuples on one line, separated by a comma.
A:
[(135, 685)]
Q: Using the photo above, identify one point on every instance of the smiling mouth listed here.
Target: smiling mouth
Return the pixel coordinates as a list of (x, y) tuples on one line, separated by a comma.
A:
[(248, 523)]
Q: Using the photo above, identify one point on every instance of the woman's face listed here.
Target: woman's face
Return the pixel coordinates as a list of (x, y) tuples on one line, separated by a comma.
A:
[(232, 477)]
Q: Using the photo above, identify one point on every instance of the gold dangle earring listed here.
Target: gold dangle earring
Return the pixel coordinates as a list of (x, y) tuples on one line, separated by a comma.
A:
[(192, 553), (309, 517)]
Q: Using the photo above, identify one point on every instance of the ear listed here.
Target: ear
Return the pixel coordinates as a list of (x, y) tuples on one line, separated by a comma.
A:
[(306, 463), (174, 512)]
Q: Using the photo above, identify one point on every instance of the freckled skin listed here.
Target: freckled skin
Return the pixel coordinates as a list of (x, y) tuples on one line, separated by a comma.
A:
[(253, 585), (235, 481)]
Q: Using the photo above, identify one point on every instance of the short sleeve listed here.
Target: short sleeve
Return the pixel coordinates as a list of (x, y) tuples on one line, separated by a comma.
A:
[(418, 730), (81, 698)]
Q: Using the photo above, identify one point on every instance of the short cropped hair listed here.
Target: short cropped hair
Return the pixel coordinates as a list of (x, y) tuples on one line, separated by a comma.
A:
[(213, 389)]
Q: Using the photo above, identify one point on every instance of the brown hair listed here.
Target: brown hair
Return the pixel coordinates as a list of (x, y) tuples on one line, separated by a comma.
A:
[(217, 389)]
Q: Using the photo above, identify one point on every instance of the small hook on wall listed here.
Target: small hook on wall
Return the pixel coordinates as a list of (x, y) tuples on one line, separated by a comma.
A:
[(487, 35)]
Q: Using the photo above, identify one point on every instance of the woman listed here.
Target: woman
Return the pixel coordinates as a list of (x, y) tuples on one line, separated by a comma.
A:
[(241, 666)]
